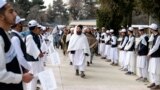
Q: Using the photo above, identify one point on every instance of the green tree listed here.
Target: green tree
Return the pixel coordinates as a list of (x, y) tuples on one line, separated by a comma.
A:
[(23, 7), (58, 13), (74, 8), (151, 7), (114, 13), (40, 3)]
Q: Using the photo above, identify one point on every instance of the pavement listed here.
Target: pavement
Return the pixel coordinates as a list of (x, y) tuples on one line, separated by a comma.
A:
[(99, 76)]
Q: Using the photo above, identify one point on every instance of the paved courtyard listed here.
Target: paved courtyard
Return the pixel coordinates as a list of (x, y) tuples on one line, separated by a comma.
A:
[(99, 76)]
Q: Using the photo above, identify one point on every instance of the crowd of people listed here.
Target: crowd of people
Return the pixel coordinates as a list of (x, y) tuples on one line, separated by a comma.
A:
[(135, 55)]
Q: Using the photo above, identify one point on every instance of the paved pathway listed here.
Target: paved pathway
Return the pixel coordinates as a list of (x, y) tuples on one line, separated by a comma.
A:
[(99, 76)]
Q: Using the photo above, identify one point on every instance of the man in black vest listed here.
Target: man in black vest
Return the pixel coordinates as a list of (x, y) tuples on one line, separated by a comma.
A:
[(11, 76), (19, 44), (142, 59), (33, 46), (114, 49), (122, 52), (154, 62), (130, 55)]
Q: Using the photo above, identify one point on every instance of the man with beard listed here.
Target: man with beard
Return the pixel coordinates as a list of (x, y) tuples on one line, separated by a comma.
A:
[(142, 59), (102, 43), (92, 44), (19, 44), (154, 61), (79, 47), (108, 45), (122, 52), (130, 54), (11, 77), (114, 49), (34, 52)]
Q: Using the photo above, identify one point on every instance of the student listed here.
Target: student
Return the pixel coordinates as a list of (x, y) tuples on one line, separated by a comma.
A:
[(11, 76)]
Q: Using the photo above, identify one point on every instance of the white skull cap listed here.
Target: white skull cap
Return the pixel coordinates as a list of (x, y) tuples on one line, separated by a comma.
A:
[(2, 3), (18, 20), (130, 28), (153, 26), (33, 23), (111, 31)]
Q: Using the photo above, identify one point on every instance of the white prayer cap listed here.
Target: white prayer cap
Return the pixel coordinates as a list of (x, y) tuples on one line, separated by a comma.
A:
[(123, 30), (141, 28), (33, 23), (72, 29), (130, 28), (2, 3), (107, 31), (18, 20), (103, 28), (153, 26), (111, 31), (95, 28)]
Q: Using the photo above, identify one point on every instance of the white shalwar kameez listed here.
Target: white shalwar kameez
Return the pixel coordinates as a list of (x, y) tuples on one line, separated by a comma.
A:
[(107, 47), (114, 50), (142, 61), (122, 52), (154, 64), (102, 45), (33, 50), (130, 62)]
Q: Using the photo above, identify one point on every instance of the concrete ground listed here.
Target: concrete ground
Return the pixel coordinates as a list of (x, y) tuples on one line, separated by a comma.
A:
[(99, 76)]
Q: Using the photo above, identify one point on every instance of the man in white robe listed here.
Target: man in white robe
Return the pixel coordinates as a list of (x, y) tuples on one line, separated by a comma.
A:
[(113, 49), (79, 47), (154, 62), (122, 52), (142, 59), (102, 43), (33, 46), (11, 75), (19, 44), (130, 57), (108, 46)]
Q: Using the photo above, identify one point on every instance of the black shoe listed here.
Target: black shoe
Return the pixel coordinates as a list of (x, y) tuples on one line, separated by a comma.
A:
[(71, 63), (155, 87), (144, 80), (128, 73), (151, 85), (82, 74), (88, 64), (112, 63), (77, 72), (91, 62)]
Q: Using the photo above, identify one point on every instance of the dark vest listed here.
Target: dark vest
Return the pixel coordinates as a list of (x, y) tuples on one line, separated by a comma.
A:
[(115, 45), (108, 42), (102, 37), (37, 41), (156, 53), (123, 42), (23, 47), (133, 45), (12, 66), (142, 49)]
